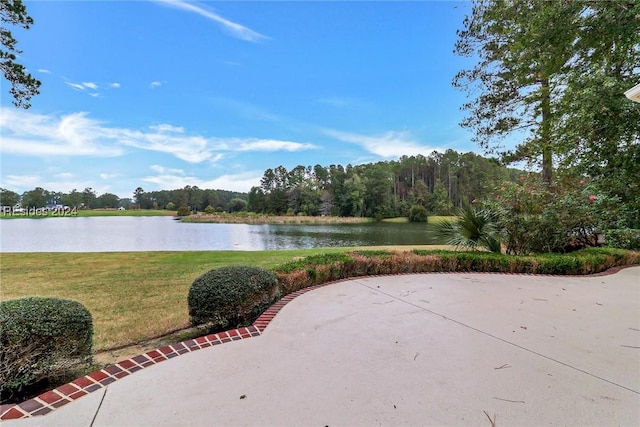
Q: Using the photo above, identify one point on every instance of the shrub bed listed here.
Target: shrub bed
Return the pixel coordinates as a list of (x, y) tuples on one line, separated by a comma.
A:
[(323, 268), (231, 296), (625, 238), (42, 341)]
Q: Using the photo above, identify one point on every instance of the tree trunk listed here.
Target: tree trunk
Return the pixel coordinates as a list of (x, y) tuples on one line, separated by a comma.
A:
[(545, 134)]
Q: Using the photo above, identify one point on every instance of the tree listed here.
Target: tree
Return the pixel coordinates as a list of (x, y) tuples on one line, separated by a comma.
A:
[(23, 84), (600, 127), (36, 198), (139, 196), (524, 49), (8, 197), (109, 200), (73, 199), (89, 198)]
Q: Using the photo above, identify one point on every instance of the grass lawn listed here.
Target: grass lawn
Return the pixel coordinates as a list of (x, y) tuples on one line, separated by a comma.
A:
[(87, 213), (132, 296)]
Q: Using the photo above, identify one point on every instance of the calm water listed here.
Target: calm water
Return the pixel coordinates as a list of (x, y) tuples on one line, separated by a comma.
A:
[(110, 234)]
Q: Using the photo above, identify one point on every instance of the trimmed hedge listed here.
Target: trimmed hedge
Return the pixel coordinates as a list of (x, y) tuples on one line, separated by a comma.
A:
[(42, 340), (320, 269), (231, 296)]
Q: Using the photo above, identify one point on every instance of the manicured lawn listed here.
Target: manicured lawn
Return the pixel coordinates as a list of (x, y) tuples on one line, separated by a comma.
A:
[(132, 296)]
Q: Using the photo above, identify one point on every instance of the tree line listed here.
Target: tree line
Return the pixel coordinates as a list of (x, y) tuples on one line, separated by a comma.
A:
[(439, 182), (195, 198)]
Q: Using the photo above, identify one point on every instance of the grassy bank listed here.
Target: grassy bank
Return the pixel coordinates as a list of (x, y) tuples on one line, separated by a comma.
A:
[(251, 218), (132, 295), (41, 214)]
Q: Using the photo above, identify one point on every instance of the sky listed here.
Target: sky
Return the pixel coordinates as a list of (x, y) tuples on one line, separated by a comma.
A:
[(164, 94)]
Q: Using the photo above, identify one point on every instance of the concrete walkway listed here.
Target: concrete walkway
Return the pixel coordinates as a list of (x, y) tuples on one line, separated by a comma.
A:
[(429, 349)]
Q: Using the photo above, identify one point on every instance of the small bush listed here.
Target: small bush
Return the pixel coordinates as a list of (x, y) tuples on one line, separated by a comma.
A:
[(418, 213), (231, 296), (184, 211), (209, 210), (42, 340), (626, 238)]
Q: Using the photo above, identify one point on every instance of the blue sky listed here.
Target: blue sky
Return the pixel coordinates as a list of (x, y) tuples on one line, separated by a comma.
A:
[(163, 94)]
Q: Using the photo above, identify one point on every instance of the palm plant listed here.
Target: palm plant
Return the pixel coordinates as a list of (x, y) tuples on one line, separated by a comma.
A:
[(472, 229)]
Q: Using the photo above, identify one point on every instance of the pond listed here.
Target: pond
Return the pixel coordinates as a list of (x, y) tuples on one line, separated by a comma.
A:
[(114, 234)]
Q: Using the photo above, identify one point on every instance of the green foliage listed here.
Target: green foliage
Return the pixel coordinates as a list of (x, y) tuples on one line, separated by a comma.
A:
[(23, 84), (210, 210), (472, 229), (184, 211), (170, 206), (625, 238), (321, 259), (231, 296), (534, 219), (302, 274), (41, 340), (553, 73), (418, 213)]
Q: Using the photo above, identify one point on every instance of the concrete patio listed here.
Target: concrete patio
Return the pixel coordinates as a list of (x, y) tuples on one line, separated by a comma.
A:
[(426, 349)]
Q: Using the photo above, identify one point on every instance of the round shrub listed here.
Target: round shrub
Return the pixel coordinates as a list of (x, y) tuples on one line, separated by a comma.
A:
[(418, 213), (41, 341), (231, 296), (183, 211)]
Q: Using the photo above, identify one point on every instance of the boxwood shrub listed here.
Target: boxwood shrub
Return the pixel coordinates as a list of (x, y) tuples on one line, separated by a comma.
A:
[(42, 341), (231, 296)]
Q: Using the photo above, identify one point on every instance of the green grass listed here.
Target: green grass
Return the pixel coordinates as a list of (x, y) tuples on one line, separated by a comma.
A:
[(132, 295), (438, 219), (431, 220), (94, 212), (129, 212)]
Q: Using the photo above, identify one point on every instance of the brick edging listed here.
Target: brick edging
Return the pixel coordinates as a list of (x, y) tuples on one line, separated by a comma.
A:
[(60, 396)]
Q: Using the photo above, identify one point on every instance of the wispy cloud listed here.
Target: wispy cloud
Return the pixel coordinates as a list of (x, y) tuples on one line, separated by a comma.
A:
[(272, 145), (155, 84), (171, 178), (167, 128), (114, 85), (83, 86), (44, 71), (236, 30), (29, 134), (39, 135), (387, 145)]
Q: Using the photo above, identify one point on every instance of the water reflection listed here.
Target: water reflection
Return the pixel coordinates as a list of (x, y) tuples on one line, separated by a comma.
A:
[(108, 234)]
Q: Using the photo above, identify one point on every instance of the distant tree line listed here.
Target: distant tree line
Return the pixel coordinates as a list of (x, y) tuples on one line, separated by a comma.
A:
[(196, 199), (440, 182), (41, 198)]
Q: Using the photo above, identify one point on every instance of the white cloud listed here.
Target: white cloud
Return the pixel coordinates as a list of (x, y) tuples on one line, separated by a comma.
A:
[(272, 145), (44, 71), (30, 134), (39, 135), (388, 145), (83, 86), (107, 176), (162, 128), (164, 170), (176, 178), (22, 181), (235, 29), (76, 86), (155, 84), (114, 85)]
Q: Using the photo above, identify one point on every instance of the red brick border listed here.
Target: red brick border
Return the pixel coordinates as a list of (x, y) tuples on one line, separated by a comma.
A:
[(53, 399)]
